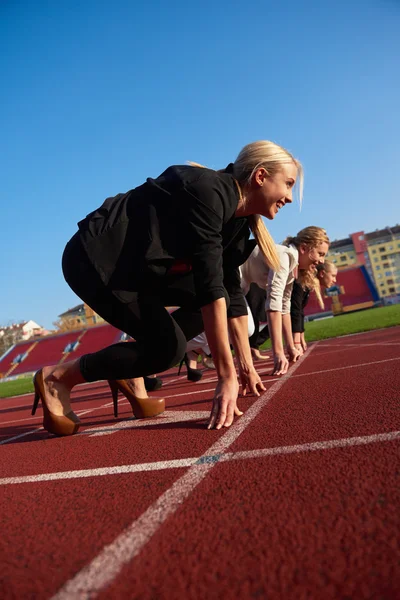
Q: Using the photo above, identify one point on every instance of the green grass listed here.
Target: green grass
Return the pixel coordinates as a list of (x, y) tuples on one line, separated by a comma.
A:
[(16, 387), (365, 320)]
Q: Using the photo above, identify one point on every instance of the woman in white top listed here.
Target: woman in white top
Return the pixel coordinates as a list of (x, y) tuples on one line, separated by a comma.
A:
[(299, 256)]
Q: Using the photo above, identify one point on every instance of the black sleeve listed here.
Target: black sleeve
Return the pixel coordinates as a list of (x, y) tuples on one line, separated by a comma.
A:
[(237, 306), (204, 221), (296, 308), (306, 296)]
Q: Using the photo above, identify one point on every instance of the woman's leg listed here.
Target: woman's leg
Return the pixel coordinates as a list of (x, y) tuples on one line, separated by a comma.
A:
[(141, 316)]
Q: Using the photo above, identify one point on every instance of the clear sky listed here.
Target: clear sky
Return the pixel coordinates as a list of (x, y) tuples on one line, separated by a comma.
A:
[(97, 96)]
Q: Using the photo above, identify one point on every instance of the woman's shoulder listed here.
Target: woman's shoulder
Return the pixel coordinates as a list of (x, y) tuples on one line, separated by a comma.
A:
[(290, 251)]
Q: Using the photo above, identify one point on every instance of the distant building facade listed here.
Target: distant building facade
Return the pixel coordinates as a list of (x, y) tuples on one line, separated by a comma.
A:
[(378, 251), (78, 317)]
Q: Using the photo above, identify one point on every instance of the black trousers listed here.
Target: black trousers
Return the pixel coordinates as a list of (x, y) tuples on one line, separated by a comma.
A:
[(160, 338), (256, 298)]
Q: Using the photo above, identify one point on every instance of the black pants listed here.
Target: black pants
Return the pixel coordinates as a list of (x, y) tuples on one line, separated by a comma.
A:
[(256, 298), (160, 338)]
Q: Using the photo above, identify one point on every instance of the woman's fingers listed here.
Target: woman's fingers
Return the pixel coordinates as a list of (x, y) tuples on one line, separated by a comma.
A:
[(280, 367), (214, 414)]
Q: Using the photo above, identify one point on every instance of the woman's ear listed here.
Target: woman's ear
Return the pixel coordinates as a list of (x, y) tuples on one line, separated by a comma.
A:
[(303, 248)]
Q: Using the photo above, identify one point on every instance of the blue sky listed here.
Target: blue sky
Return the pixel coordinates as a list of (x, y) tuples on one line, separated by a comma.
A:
[(97, 96)]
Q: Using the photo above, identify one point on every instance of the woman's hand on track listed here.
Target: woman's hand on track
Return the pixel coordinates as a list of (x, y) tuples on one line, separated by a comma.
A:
[(224, 406), (251, 382), (281, 364)]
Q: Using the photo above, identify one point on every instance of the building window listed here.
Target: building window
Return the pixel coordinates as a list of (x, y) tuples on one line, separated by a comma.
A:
[(374, 251), (379, 276), (375, 259), (384, 257), (377, 268), (390, 282), (390, 248), (386, 265), (361, 237), (391, 290), (388, 273), (382, 284), (343, 258), (382, 249)]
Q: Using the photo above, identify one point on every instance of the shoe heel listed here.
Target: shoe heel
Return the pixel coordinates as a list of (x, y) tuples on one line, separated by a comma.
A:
[(35, 403), (114, 393), (180, 366)]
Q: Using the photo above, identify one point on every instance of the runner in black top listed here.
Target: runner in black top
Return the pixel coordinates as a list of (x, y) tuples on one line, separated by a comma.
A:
[(175, 240)]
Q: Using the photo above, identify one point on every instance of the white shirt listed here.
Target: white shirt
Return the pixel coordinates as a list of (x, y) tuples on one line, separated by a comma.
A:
[(278, 284)]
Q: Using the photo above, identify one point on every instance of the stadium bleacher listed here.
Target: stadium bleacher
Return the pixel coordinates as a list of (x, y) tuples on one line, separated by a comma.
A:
[(53, 349), (358, 292)]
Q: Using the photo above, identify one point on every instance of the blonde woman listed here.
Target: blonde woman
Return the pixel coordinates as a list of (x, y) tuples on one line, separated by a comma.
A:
[(323, 277), (176, 240), (296, 255)]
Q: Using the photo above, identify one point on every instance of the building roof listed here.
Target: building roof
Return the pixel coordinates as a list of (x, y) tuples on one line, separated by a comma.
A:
[(370, 237), (76, 310), (340, 243), (382, 233)]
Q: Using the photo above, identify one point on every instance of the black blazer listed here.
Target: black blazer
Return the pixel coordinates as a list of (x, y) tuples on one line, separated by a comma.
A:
[(185, 216), (298, 302)]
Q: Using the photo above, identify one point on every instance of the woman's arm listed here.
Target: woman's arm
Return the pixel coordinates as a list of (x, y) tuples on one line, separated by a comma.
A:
[(225, 398), (239, 333), (281, 363), (293, 351), (297, 313), (277, 290)]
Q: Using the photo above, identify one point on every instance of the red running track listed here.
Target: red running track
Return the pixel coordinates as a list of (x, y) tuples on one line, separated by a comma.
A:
[(298, 499)]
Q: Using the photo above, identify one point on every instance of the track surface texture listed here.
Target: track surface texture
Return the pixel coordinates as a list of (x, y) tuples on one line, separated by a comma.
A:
[(300, 498)]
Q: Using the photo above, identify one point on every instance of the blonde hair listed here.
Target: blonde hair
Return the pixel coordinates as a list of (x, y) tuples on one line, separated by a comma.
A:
[(311, 236), (267, 155), (271, 157), (328, 265)]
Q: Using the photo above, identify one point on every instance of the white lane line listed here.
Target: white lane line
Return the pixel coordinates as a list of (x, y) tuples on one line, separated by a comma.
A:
[(209, 390), (313, 446), (19, 420), (373, 332), (170, 416), (196, 461), (32, 431), (123, 402), (375, 362), (11, 408), (361, 345), (106, 566), (84, 473)]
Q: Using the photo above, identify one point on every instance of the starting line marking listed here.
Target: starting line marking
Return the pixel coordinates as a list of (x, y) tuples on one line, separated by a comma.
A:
[(208, 459), (267, 381), (169, 416)]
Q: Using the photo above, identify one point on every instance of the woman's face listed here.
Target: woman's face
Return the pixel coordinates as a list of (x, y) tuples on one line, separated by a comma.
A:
[(311, 257), (328, 278), (267, 194)]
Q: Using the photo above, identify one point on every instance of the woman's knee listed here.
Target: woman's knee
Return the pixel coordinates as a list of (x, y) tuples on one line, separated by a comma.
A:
[(169, 353)]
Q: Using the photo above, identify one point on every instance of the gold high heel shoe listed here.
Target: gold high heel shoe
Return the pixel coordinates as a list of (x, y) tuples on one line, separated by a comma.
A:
[(57, 424), (142, 408)]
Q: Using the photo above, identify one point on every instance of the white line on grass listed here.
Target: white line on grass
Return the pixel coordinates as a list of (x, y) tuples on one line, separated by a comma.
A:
[(106, 566), (196, 461)]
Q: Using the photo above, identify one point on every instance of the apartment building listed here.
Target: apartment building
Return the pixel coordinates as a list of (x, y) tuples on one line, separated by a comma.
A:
[(379, 251)]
